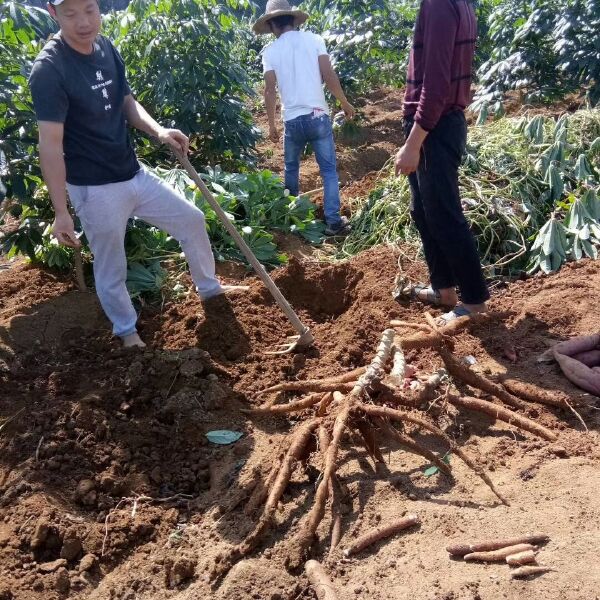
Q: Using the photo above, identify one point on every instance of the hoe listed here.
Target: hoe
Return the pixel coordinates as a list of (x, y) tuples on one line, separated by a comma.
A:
[(304, 337)]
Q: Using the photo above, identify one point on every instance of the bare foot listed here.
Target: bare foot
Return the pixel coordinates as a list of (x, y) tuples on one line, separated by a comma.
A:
[(133, 340)]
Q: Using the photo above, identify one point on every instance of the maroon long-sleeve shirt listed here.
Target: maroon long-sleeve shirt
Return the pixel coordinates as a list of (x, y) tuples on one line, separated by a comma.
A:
[(441, 60)]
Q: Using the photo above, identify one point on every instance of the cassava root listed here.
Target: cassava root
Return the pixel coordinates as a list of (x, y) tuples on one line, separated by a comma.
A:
[(380, 533), (521, 558), (319, 580), (528, 571), (484, 546), (498, 555)]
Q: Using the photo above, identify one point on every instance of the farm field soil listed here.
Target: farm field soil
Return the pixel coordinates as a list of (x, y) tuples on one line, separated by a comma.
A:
[(99, 433), (103, 430)]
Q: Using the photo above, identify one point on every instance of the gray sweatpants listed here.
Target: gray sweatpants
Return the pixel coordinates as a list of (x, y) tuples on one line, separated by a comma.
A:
[(104, 211)]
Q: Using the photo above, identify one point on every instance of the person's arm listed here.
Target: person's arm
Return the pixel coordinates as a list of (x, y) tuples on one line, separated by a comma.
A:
[(407, 158), (138, 117), (440, 30), (271, 103), (440, 27), (332, 82), (53, 169)]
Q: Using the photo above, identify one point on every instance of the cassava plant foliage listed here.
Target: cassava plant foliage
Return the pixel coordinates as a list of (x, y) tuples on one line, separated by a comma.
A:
[(368, 41), (181, 67), (22, 30), (543, 48), (529, 188)]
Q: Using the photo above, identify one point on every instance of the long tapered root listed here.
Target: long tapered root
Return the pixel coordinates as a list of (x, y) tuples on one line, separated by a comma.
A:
[(309, 385), (295, 453), (496, 544), (281, 409), (390, 413), (380, 533), (306, 534), (414, 447), (501, 413), (470, 377)]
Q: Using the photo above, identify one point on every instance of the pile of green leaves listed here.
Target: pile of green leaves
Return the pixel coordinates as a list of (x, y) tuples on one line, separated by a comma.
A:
[(545, 49), (257, 203), (524, 183)]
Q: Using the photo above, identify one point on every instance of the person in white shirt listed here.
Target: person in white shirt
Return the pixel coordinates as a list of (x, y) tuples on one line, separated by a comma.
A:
[(298, 64)]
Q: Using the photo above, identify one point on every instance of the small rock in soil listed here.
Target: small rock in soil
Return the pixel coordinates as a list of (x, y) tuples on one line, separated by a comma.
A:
[(155, 475), (84, 487), (71, 548), (87, 563), (62, 583), (182, 570), (559, 451), (6, 594), (191, 368), (50, 567)]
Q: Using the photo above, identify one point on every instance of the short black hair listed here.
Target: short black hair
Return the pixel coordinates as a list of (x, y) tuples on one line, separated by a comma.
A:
[(282, 21)]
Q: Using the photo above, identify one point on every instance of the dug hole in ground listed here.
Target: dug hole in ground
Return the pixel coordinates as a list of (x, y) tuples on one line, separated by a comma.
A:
[(109, 488)]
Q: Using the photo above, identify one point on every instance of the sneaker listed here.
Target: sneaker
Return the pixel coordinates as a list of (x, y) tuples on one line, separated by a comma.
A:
[(343, 228)]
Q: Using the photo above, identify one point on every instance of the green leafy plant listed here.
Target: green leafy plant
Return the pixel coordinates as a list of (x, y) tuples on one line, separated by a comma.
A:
[(545, 49), (368, 41), (22, 29), (181, 67), (517, 173)]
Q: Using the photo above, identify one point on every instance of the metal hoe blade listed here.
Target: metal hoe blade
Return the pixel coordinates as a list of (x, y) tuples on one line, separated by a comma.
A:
[(294, 342)]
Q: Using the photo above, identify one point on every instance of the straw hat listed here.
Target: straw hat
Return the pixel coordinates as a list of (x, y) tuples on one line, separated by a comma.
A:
[(278, 8)]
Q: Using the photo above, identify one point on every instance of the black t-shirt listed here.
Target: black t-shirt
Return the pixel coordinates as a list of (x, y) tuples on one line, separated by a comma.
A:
[(86, 93)]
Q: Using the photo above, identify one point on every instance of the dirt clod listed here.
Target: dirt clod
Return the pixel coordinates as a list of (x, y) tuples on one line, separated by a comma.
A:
[(52, 566), (88, 562)]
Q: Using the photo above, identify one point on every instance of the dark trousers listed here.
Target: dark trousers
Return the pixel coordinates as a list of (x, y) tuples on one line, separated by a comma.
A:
[(448, 243)]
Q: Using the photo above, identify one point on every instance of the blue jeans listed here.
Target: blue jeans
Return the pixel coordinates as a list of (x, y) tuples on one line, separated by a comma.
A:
[(317, 131)]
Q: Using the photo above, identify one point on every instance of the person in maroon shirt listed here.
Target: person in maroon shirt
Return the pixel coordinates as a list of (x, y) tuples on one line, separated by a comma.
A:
[(438, 89)]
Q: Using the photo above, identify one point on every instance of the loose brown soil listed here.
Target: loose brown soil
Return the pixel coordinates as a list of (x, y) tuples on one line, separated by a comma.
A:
[(109, 488), (101, 426)]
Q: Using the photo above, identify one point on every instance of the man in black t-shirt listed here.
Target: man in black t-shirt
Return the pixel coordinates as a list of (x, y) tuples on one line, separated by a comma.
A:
[(83, 105)]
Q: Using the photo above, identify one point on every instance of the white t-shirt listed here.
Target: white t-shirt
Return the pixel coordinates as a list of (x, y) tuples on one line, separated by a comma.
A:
[(294, 56)]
